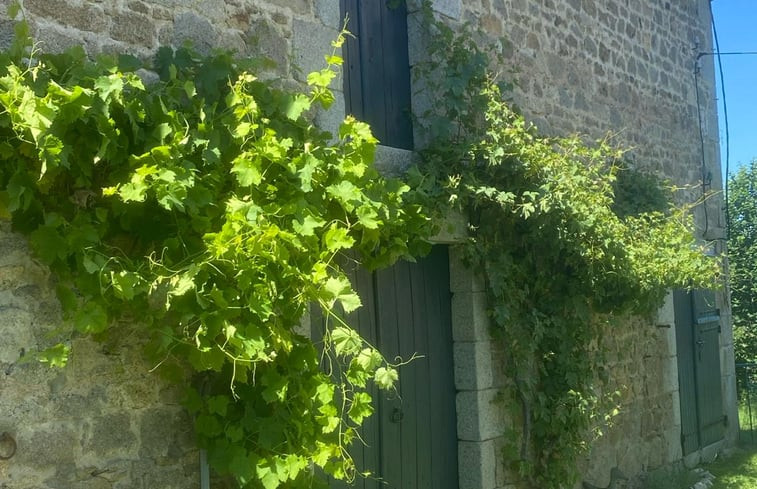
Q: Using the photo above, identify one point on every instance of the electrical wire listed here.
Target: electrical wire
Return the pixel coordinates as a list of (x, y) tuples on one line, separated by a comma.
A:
[(719, 56), (727, 53), (725, 117)]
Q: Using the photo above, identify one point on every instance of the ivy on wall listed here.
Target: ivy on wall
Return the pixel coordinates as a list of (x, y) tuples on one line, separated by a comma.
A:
[(566, 236), (206, 212)]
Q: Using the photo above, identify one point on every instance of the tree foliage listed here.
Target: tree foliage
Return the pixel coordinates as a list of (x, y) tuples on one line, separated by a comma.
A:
[(742, 256)]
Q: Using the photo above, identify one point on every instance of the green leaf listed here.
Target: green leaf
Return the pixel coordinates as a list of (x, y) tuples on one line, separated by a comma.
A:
[(48, 244), (68, 300), (295, 105), (339, 289), (192, 400), (369, 359), (248, 169), (135, 191), (189, 89), (346, 341), (368, 217), (91, 318), (266, 475), (337, 238), (13, 9), (334, 60), (324, 393), (385, 377), (346, 193), (361, 407), (55, 356), (307, 225), (91, 264), (208, 425), (4, 206), (180, 284), (241, 464), (124, 283), (321, 78), (109, 86), (218, 405), (356, 130), (307, 166)]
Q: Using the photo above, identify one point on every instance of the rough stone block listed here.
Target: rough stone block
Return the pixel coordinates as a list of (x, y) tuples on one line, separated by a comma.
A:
[(133, 28), (7, 33), (110, 435), (462, 278), (38, 445), (675, 402), (451, 8), (198, 32), (83, 17), (470, 322), (453, 229), (417, 45), (473, 365), (666, 313), (730, 402), (56, 39), (503, 474), (266, 39), (672, 441), (328, 12), (668, 341), (477, 462), (669, 374), (297, 6), (158, 427), (480, 415), (655, 452), (391, 161), (17, 335), (177, 476), (311, 42), (727, 360), (138, 6), (726, 329)]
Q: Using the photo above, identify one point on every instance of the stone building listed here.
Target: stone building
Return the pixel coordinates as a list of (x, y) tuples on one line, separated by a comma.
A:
[(620, 66)]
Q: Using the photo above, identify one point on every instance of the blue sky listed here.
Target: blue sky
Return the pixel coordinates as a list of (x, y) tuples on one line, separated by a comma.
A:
[(736, 23)]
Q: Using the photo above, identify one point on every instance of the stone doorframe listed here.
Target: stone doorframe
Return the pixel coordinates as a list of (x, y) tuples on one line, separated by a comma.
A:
[(479, 376)]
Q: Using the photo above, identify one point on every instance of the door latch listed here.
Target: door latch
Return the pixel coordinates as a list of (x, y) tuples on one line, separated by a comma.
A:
[(397, 415)]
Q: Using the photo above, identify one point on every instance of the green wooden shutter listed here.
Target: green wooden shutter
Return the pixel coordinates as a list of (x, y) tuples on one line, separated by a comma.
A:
[(377, 69)]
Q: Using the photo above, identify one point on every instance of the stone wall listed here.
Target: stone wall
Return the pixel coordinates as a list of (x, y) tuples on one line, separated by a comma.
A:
[(587, 66), (103, 421)]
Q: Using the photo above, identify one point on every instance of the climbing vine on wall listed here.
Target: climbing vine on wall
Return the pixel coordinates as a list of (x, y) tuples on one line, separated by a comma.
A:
[(564, 238), (203, 209)]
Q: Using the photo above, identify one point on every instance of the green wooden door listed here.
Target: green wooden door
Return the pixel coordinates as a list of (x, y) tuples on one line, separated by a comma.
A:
[(698, 345), (411, 440)]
